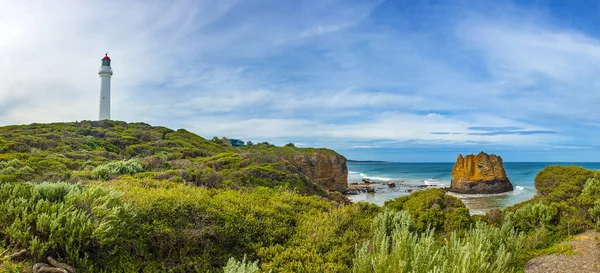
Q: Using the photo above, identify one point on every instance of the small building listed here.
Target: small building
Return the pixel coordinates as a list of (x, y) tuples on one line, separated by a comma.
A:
[(237, 142), (233, 142)]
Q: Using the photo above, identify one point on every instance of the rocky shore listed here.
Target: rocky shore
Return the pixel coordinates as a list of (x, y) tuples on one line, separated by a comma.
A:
[(369, 186)]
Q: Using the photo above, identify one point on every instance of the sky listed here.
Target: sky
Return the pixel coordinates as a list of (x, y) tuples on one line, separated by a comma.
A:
[(396, 80)]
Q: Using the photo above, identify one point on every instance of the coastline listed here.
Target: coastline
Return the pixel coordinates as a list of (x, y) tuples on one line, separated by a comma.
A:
[(409, 177)]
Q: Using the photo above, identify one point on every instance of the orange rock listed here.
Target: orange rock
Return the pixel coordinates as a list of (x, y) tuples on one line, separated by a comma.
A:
[(480, 173), (325, 168)]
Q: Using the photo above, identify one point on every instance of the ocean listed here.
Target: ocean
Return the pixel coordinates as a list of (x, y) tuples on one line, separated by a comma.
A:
[(416, 176)]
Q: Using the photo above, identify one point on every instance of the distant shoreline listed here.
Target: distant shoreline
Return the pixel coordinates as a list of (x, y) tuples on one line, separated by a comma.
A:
[(427, 162), (366, 161)]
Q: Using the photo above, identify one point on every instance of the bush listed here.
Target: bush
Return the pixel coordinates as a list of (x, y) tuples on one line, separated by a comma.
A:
[(561, 183), (116, 168), (532, 216), (89, 227), (494, 217), (233, 266), (397, 246), (192, 229), (433, 208), (590, 198), (323, 241)]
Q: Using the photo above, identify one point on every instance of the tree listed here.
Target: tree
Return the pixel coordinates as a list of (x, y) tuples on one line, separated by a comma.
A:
[(216, 140)]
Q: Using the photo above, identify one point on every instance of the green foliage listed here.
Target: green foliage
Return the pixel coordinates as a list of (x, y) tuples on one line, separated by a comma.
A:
[(565, 205), (115, 168), (149, 199), (193, 229), (66, 151), (590, 198), (561, 183), (235, 266), (216, 140), (433, 208), (591, 190), (88, 226), (562, 248), (398, 246), (532, 216), (323, 241)]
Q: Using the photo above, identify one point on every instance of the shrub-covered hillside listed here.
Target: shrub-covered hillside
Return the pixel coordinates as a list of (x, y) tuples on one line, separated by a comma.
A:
[(115, 197), (110, 196), (105, 150)]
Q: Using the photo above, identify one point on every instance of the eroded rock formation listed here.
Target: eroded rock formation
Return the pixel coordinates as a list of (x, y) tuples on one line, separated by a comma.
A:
[(480, 173), (325, 168)]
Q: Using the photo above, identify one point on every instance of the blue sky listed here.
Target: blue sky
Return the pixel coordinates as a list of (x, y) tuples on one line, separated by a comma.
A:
[(382, 80)]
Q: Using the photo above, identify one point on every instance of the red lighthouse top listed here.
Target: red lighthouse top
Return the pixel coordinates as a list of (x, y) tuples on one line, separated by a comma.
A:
[(106, 60)]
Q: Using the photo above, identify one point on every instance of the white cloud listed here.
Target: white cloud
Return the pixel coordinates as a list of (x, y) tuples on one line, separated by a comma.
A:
[(298, 71), (538, 71), (52, 52), (395, 126)]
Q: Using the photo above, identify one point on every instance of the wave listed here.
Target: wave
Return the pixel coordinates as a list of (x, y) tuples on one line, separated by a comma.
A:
[(353, 172), (518, 190), (435, 182), (377, 178)]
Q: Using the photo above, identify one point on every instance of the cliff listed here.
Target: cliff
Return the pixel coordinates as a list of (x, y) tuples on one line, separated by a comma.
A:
[(480, 173), (325, 169)]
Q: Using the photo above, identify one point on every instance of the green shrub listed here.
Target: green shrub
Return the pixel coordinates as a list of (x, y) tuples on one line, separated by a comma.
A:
[(434, 208), (194, 229), (89, 227), (494, 216), (112, 169), (398, 247), (561, 183), (323, 241), (235, 266), (590, 198), (532, 216), (595, 214)]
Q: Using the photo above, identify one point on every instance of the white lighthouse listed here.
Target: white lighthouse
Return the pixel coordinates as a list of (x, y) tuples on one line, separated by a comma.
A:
[(105, 73)]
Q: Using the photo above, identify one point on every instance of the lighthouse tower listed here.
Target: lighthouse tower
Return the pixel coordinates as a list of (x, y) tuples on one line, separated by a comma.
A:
[(105, 73)]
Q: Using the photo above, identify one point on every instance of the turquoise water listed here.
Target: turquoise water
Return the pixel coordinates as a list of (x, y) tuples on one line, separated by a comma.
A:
[(415, 176)]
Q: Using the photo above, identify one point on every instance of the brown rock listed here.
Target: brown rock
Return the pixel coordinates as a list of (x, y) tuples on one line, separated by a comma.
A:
[(392, 185), (369, 189), (480, 173), (324, 168)]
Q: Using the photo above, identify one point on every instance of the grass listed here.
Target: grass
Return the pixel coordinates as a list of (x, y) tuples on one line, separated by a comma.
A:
[(560, 248)]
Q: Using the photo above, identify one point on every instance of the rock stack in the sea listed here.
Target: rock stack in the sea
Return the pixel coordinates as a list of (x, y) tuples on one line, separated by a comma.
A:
[(479, 174)]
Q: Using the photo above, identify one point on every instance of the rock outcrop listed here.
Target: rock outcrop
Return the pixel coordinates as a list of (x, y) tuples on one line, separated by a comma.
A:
[(324, 168), (480, 173)]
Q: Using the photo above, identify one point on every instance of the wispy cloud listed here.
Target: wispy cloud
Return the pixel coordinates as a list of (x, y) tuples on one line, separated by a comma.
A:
[(484, 128), (398, 75), (507, 132)]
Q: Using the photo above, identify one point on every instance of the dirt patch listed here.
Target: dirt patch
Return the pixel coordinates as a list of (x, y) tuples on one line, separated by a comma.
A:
[(586, 257)]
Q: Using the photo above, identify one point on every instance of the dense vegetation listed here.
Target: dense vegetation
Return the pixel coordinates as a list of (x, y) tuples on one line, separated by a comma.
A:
[(92, 150), (115, 197)]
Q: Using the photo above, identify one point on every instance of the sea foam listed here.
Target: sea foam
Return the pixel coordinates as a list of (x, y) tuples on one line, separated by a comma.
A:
[(376, 178)]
